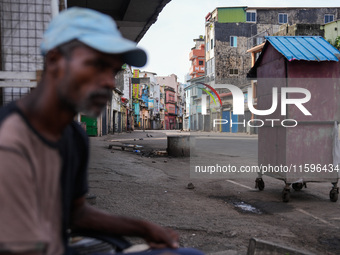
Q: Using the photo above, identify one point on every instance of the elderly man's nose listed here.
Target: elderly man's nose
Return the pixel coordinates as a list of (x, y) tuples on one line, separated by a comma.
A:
[(108, 80)]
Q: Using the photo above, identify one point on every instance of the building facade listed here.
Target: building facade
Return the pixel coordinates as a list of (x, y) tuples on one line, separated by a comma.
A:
[(197, 58), (332, 31), (169, 89), (231, 31)]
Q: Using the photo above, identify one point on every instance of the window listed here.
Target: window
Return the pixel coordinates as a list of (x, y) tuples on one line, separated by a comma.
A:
[(283, 18), (329, 18), (200, 62), (251, 17), (208, 64), (233, 71), (233, 41), (212, 43), (171, 98), (207, 46)]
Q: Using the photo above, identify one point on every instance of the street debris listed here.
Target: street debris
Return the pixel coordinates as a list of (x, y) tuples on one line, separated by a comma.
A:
[(123, 147), (240, 205), (244, 207), (190, 186), (161, 153)]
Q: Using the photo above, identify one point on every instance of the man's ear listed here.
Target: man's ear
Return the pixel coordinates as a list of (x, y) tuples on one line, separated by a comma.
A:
[(53, 62)]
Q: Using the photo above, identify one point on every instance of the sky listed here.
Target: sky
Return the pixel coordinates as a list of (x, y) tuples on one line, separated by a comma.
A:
[(168, 42)]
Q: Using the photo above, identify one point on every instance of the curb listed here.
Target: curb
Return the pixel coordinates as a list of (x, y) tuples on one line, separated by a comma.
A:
[(260, 247)]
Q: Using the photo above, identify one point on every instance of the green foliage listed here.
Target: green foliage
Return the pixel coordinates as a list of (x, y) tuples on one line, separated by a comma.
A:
[(337, 43)]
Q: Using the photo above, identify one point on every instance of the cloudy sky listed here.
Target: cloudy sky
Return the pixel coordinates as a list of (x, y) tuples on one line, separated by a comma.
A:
[(168, 42)]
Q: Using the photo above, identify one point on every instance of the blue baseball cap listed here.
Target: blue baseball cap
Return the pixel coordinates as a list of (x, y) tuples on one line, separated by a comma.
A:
[(97, 30)]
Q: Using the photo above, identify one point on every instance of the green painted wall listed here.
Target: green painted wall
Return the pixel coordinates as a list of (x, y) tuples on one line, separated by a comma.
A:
[(230, 15)]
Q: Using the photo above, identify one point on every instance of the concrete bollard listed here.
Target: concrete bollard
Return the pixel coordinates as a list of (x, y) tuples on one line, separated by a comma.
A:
[(181, 145)]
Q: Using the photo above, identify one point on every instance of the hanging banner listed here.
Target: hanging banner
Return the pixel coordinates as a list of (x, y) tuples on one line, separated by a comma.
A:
[(135, 91), (135, 86), (135, 73)]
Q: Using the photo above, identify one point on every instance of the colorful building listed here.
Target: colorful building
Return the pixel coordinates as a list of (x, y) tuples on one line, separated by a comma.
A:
[(170, 106), (197, 58), (169, 91)]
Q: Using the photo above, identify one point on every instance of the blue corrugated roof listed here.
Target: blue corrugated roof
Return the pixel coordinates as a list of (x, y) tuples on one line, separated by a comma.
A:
[(310, 48)]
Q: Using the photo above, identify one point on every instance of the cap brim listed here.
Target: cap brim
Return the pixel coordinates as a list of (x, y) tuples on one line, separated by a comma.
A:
[(135, 57), (132, 55)]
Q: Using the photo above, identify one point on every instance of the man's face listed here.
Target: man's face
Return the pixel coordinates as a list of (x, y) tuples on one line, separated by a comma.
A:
[(87, 80)]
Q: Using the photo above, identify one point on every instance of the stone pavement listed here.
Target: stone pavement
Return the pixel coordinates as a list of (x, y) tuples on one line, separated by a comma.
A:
[(155, 188), (128, 177)]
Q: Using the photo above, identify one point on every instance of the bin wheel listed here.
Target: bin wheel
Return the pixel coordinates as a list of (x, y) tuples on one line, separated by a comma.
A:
[(333, 194), (259, 184), (285, 195), (297, 186)]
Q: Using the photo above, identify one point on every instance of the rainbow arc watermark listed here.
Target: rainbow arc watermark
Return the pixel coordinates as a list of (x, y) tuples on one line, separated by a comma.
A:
[(239, 109)]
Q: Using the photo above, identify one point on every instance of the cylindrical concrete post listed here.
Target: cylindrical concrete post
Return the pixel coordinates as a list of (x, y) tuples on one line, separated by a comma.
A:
[(181, 145)]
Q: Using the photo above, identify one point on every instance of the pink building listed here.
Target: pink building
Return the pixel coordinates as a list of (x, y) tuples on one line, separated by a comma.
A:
[(170, 106), (170, 81), (170, 85)]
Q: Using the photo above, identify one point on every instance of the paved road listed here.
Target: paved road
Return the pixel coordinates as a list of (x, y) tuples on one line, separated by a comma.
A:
[(219, 214)]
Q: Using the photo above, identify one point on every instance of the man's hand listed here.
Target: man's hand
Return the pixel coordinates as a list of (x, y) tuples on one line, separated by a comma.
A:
[(158, 237), (89, 218)]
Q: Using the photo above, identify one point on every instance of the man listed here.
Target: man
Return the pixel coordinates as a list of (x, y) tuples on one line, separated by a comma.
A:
[(44, 153)]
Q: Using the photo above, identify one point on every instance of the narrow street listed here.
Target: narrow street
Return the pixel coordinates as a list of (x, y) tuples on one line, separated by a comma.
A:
[(219, 214)]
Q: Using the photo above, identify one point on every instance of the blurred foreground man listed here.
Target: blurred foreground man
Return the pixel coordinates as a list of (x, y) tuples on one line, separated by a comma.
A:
[(44, 153)]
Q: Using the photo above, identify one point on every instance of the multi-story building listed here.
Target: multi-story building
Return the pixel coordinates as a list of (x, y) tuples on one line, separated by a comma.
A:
[(170, 81), (231, 31), (197, 58), (170, 106), (120, 114), (180, 106), (169, 90), (150, 97)]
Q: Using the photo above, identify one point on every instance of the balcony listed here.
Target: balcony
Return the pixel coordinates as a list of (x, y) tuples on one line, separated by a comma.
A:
[(197, 70), (196, 53), (258, 39)]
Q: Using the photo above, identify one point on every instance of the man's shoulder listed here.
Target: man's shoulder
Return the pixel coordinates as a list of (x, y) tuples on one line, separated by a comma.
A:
[(75, 140), (7, 110), (11, 124), (77, 132)]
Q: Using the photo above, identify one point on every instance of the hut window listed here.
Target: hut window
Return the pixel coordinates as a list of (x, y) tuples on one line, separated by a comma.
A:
[(283, 18)]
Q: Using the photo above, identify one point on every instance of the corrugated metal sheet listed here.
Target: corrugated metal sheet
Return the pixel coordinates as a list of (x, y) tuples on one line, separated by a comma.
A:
[(231, 15), (310, 48)]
